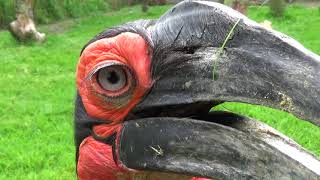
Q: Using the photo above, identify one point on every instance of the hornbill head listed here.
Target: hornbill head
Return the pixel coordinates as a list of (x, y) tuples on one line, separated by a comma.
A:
[(145, 90)]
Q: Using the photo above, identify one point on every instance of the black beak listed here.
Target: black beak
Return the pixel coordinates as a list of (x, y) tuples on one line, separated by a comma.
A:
[(171, 130), (257, 66)]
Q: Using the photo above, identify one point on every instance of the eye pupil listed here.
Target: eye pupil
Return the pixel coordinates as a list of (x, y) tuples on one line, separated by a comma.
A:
[(113, 77)]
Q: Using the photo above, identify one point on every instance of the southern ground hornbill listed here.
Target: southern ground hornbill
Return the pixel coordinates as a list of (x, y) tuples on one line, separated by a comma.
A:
[(144, 90)]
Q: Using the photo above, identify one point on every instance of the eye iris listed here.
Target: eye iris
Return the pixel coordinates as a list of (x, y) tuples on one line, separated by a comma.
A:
[(113, 77)]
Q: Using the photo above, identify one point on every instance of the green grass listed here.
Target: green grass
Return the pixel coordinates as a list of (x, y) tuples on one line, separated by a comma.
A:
[(37, 93), (46, 11)]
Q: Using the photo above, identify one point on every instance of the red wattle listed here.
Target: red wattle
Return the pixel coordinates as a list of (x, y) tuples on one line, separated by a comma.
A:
[(96, 161)]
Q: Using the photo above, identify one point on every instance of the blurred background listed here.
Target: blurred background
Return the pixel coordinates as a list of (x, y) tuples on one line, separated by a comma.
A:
[(40, 43)]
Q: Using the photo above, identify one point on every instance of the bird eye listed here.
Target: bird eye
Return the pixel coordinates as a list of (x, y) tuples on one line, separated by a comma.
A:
[(113, 78)]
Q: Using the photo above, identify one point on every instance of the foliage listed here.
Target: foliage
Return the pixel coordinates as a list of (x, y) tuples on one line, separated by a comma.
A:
[(7, 12), (46, 11), (37, 92), (277, 7), (117, 4)]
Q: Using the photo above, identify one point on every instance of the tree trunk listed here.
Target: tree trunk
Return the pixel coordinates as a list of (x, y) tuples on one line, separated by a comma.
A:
[(162, 2), (115, 4), (240, 5), (145, 5), (23, 28)]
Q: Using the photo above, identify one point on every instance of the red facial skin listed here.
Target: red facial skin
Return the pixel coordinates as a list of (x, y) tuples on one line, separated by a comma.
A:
[(96, 158), (127, 48)]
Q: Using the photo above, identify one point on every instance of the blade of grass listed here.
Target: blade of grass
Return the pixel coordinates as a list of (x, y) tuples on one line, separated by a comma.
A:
[(263, 3), (222, 48)]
